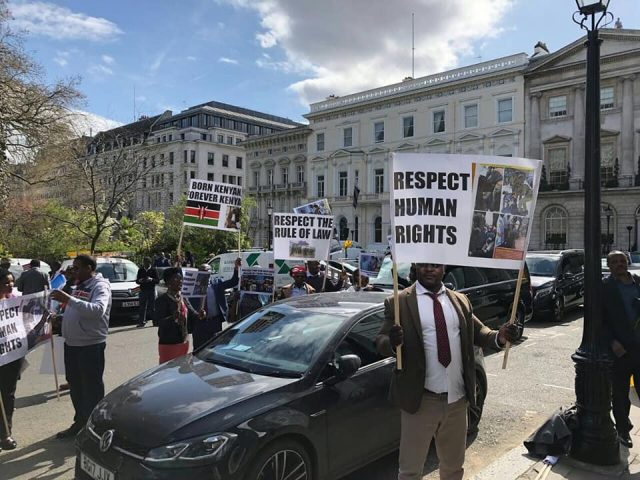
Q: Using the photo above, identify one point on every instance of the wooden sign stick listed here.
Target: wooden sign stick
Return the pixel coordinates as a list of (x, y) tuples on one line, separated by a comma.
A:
[(514, 311), (396, 314)]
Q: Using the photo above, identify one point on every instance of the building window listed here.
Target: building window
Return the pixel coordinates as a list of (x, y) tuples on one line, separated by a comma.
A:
[(608, 168), (557, 159), (192, 174), (347, 137), (342, 184), (320, 142), (182, 136), (320, 186), (558, 106), (171, 179), (407, 127), (186, 156), (224, 178), (505, 110), (210, 177), (225, 160), (300, 173), (377, 230), (232, 179), (170, 158), (256, 179), (203, 136), (378, 178), (270, 176), (378, 132), (170, 137), (285, 175), (607, 99), (210, 158), (471, 116), (184, 179), (239, 180), (343, 229), (238, 162), (229, 140), (438, 121), (193, 156), (171, 198), (556, 226), (220, 138)]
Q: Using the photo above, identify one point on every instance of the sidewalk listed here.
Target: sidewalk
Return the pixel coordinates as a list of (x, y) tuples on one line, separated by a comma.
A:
[(519, 465)]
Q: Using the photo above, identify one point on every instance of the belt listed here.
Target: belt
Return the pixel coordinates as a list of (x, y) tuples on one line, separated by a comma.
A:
[(441, 395)]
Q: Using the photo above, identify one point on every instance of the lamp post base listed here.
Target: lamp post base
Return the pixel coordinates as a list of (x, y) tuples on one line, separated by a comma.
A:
[(595, 441)]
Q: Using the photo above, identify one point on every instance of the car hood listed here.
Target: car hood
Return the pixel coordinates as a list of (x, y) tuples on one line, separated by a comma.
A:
[(537, 280), (123, 286), (147, 410)]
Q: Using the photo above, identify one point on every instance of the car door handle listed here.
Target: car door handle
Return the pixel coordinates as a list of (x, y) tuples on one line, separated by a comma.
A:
[(318, 414), (478, 292)]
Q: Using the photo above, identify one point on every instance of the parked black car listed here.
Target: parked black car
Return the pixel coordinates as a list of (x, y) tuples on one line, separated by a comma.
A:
[(557, 278), (289, 392), (491, 291)]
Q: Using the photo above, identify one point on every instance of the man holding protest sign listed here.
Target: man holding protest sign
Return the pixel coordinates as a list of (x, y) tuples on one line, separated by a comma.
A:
[(299, 286), (317, 280)]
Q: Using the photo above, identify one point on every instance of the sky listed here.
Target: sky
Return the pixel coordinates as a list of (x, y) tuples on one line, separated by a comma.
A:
[(140, 57)]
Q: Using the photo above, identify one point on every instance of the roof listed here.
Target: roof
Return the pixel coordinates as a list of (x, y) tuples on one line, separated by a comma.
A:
[(241, 112)]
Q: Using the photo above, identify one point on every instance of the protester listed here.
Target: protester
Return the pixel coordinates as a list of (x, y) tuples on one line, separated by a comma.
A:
[(621, 309), (171, 317), (147, 278), (244, 304), (33, 280), (215, 308), (85, 325), (315, 278), (9, 374), (361, 285), (300, 285), (160, 260), (55, 268), (5, 263), (188, 260), (437, 379)]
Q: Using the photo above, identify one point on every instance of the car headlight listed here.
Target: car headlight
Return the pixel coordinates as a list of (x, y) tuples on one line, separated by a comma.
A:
[(192, 451), (544, 291), (134, 291)]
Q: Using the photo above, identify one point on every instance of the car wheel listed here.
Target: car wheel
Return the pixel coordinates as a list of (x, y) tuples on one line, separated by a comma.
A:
[(558, 309), (519, 322), (474, 414), (281, 460)]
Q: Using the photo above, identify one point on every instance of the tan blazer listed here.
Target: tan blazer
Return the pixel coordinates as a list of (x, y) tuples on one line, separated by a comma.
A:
[(287, 289), (407, 386)]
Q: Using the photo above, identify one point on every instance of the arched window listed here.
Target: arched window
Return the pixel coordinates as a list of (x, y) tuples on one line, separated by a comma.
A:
[(556, 226), (377, 230), (344, 229)]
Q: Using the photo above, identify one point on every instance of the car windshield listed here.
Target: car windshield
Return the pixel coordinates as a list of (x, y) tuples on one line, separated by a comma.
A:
[(542, 266), (276, 341), (635, 257), (118, 271), (385, 275)]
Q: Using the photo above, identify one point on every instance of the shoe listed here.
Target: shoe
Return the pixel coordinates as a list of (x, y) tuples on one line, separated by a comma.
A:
[(140, 325), (625, 439), (8, 443), (70, 432), (64, 386)]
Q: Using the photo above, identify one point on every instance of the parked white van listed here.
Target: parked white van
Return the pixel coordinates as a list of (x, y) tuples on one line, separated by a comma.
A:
[(222, 265)]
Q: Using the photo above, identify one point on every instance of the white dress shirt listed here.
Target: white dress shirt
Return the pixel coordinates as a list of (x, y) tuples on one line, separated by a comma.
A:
[(298, 291), (440, 379)]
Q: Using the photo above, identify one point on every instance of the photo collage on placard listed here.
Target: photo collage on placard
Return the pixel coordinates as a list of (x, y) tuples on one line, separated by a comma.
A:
[(501, 212)]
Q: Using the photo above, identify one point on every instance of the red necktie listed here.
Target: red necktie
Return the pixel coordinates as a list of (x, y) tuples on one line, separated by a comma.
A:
[(442, 338)]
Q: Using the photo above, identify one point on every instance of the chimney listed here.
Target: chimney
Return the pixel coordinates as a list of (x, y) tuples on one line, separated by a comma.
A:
[(540, 49), (407, 79)]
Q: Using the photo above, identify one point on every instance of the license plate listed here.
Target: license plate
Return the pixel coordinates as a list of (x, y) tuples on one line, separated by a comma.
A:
[(95, 471), (135, 303)]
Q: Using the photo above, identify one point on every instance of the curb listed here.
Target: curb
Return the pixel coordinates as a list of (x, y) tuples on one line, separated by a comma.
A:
[(514, 463)]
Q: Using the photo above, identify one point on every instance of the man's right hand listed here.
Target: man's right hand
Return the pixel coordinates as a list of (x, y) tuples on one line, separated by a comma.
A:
[(396, 336)]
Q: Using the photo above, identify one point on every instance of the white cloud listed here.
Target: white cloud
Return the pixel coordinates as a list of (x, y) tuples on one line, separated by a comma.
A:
[(158, 61), (228, 60), (61, 58), (49, 20), (86, 123), (99, 70), (344, 47), (108, 60), (191, 58)]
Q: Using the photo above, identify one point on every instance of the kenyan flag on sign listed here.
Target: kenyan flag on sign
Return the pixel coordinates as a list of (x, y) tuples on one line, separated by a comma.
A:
[(201, 214)]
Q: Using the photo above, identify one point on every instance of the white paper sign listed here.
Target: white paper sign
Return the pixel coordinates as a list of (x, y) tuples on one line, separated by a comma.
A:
[(194, 283), (298, 236), (319, 207), (22, 326), (462, 209), (256, 281)]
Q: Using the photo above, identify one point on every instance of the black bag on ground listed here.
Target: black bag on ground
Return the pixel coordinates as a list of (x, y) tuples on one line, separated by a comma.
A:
[(554, 435)]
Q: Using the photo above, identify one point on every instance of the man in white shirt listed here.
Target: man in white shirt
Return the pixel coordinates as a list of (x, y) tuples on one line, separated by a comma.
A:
[(299, 286), (437, 332)]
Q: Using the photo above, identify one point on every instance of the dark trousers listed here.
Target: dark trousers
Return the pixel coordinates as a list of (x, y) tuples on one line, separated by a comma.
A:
[(204, 329), (147, 305), (85, 367), (9, 375), (623, 368)]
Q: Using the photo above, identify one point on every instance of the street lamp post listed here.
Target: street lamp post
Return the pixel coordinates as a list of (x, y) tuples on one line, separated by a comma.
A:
[(269, 214), (595, 440), (629, 228)]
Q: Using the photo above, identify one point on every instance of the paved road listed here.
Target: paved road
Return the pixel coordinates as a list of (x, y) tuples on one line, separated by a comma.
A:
[(539, 378)]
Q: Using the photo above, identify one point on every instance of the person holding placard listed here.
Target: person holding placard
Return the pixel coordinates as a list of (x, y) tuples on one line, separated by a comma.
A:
[(299, 286), (437, 332), (316, 279)]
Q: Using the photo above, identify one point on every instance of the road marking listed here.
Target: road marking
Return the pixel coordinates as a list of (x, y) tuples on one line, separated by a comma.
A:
[(529, 345), (492, 374), (557, 386)]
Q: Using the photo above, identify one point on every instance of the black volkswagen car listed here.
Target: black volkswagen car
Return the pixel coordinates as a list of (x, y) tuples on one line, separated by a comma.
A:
[(289, 392)]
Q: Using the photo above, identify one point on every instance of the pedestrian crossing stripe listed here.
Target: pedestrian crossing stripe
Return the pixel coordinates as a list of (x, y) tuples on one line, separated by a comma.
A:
[(252, 259)]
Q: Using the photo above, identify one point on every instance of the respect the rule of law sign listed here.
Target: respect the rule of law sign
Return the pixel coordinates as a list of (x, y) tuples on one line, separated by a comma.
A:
[(462, 209), (300, 236), (213, 205)]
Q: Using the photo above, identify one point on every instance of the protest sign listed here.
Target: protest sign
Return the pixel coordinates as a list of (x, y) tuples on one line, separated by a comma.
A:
[(462, 209), (319, 207), (213, 205), (256, 281), (194, 283), (369, 264), (298, 236), (23, 326)]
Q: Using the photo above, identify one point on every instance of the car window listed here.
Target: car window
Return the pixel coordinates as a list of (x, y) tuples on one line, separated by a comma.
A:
[(575, 265), (495, 275), (455, 276), (385, 276), (361, 340), (215, 265), (474, 277), (542, 266), (118, 271)]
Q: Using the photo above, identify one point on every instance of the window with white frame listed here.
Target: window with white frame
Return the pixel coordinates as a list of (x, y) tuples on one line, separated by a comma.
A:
[(557, 160), (378, 132), (285, 175), (300, 173), (558, 106), (270, 176), (342, 184), (607, 98), (471, 116), (320, 186), (438, 121), (505, 110), (407, 127), (347, 137), (378, 179), (319, 142), (556, 227)]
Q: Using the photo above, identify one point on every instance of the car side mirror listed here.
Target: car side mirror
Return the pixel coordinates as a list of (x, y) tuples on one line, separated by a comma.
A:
[(346, 366), (449, 285)]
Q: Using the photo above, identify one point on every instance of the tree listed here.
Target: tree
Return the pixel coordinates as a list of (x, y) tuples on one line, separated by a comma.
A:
[(32, 114)]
